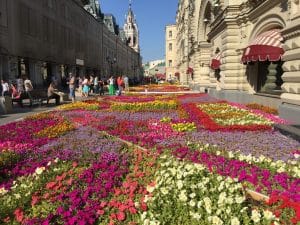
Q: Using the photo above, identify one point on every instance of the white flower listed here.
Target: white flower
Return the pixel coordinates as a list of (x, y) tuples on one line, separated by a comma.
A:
[(150, 189), (255, 216), (235, 221), (216, 220), (180, 184), (240, 199), (268, 215), (199, 204), (192, 203), (296, 155), (164, 191), (17, 196), (229, 200), (196, 216), (146, 222), (230, 155), (3, 191), (182, 196), (193, 195), (39, 170), (56, 160)]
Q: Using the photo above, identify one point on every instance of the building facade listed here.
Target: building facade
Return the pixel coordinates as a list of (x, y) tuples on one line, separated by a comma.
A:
[(170, 52), (249, 49), (41, 39)]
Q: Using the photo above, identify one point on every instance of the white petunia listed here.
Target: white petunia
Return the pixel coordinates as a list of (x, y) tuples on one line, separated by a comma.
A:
[(268, 215), (255, 216), (234, 221), (192, 203), (39, 170)]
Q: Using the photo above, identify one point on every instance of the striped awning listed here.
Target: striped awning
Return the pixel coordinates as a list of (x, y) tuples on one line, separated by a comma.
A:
[(216, 61), (266, 46)]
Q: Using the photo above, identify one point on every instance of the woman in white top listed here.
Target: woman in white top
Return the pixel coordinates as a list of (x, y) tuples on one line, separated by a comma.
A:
[(5, 88), (111, 88), (28, 85), (86, 87)]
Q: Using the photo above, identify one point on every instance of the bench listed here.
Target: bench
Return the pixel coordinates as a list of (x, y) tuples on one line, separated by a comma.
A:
[(34, 96)]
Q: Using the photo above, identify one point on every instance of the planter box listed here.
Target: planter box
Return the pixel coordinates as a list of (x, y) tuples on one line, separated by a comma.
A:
[(257, 196)]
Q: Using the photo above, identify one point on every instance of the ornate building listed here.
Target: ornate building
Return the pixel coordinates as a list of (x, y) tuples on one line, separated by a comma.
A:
[(246, 50), (131, 30)]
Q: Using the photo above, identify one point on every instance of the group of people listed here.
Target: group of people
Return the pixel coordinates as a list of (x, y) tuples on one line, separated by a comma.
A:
[(116, 86), (94, 84), (90, 84), (22, 86), (15, 89)]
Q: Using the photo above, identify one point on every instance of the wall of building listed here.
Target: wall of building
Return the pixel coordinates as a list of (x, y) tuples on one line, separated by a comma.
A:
[(59, 36)]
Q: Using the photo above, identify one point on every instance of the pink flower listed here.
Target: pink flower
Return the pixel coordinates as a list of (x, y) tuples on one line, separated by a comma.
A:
[(121, 216)]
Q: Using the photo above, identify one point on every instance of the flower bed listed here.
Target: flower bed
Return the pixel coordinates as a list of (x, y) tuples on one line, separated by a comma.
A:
[(74, 165)]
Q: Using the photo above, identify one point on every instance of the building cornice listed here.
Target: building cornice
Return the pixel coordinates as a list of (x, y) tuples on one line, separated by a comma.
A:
[(261, 7), (291, 31)]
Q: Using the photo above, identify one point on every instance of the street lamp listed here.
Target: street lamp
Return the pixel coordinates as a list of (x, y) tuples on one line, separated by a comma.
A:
[(111, 62)]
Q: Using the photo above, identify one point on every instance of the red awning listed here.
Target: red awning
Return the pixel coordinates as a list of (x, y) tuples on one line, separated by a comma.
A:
[(189, 70), (216, 61), (160, 76), (266, 46)]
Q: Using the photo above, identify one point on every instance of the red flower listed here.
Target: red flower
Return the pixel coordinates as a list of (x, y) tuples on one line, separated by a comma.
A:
[(132, 210), (50, 185), (121, 216), (144, 206), (19, 215), (100, 212), (34, 200)]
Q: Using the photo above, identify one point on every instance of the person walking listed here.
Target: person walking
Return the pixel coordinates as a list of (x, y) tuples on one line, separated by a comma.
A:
[(86, 87), (120, 85), (20, 84), (5, 88), (111, 88), (101, 87), (28, 85), (72, 86), (126, 83), (96, 85)]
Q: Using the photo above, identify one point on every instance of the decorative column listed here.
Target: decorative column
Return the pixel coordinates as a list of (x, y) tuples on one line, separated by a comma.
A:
[(271, 78), (204, 63), (35, 71), (232, 76), (291, 66), (13, 68)]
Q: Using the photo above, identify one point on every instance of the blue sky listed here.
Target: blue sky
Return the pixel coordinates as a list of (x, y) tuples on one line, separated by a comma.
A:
[(152, 16)]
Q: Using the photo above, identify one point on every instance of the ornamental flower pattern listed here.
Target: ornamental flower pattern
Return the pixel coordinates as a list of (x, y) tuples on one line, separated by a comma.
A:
[(148, 159)]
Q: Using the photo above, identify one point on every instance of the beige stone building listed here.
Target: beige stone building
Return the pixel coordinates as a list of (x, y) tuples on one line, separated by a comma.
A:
[(170, 52), (244, 50)]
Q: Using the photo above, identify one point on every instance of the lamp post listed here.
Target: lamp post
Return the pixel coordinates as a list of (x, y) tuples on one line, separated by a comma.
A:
[(110, 63)]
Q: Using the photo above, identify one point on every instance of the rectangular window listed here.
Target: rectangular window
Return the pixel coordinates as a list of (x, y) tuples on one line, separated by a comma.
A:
[(170, 46), (25, 19), (170, 63), (170, 34), (3, 13)]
